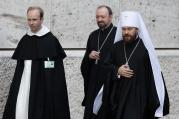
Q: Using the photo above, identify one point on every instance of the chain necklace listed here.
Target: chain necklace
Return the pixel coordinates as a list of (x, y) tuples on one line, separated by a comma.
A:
[(99, 48), (127, 60)]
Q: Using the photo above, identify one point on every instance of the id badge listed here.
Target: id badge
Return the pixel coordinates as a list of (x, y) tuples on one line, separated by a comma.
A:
[(49, 64)]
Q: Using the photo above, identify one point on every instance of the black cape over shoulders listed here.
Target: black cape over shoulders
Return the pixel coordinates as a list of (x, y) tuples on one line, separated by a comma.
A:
[(34, 47), (48, 97)]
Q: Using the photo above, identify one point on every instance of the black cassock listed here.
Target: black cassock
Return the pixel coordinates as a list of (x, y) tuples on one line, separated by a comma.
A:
[(93, 74), (48, 97), (134, 98)]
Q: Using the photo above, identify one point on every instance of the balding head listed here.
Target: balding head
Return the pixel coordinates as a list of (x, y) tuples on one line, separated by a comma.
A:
[(103, 16)]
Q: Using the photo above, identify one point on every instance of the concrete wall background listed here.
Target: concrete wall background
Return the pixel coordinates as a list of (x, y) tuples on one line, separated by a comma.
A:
[(73, 20)]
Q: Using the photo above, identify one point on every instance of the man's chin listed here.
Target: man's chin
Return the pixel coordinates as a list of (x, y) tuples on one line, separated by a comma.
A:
[(127, 40), (101, 26), (34, 30)]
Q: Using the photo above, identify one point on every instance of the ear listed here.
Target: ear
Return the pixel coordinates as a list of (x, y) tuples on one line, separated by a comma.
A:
[(137, 30), (42, 19), (111, 16)]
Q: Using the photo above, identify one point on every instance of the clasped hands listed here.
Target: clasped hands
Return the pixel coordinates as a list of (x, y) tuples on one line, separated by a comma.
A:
[(125, 71)]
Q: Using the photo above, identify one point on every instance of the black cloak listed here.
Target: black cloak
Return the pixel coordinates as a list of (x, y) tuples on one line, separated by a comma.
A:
[(93, 74), (134, 98), (48, 97)]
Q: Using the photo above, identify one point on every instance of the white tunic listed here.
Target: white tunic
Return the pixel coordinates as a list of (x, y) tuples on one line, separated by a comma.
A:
[(22, 104)]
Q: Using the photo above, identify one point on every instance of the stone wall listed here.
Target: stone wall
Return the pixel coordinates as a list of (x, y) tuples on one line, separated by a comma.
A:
[(73, 20), (170, 67)]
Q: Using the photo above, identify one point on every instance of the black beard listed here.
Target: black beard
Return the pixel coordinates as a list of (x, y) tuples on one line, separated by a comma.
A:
[(132, 38), (102, 26)]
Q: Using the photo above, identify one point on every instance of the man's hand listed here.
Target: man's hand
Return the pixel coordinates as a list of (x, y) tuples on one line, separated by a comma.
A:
[(94, 55), (125, 71)]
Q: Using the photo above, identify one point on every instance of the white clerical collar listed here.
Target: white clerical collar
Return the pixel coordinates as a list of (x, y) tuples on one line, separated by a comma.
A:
[(44, 30)]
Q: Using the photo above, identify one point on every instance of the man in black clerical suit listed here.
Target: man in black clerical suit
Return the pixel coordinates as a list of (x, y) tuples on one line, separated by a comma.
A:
[(38, 89), (97, 52)]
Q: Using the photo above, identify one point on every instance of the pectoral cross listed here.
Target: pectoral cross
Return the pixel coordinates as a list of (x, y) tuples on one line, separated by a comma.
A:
[(96, 61), (127, 65)]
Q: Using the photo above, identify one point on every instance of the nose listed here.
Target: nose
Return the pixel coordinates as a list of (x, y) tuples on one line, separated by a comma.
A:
[(30, 22), (99, 19), (126, 31)]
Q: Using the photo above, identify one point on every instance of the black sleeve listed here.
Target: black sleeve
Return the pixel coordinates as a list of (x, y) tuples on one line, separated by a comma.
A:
[(85, 69), (111, 63)]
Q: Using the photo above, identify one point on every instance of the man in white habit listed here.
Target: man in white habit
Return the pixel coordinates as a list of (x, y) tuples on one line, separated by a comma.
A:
[(136, 88)]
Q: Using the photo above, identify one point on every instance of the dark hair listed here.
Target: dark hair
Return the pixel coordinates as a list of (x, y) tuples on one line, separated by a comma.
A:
[(107, 7), (37, 8)]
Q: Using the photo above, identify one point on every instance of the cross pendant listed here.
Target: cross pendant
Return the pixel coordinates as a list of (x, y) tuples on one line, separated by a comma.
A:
[(96, 61), (127, 64)]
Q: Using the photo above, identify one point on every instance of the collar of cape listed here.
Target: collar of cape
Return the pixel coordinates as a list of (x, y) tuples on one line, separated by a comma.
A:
[(44, 30)]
